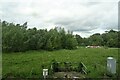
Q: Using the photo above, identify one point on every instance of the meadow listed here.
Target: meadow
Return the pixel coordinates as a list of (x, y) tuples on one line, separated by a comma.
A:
[(28, 64)]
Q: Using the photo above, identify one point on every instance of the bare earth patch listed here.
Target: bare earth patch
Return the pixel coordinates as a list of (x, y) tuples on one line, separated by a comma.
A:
[(68, 75)]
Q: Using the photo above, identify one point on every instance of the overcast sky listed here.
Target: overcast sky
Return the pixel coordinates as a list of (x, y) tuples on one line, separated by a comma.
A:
[(81, 17)]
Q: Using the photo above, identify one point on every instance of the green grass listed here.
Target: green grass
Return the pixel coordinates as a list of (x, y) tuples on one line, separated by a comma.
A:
[(28, 64)]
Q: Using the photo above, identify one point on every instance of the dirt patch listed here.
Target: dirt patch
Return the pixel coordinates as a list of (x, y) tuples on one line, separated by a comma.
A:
[(68, 75)]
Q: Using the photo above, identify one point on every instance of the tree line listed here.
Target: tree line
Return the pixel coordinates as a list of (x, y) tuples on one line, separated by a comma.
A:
[(17, 37), (108, 39)]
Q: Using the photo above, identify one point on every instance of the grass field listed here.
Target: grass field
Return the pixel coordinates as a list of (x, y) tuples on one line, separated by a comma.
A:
[(28, 64)]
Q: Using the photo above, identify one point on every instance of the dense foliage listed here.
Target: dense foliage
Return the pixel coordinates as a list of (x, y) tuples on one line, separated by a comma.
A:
[(107, 39), (16, 37)]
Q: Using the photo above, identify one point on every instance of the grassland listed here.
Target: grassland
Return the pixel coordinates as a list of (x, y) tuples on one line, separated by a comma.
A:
[(28, 64)]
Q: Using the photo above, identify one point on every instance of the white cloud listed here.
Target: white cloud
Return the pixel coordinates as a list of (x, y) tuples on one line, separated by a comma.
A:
[(82, 17)]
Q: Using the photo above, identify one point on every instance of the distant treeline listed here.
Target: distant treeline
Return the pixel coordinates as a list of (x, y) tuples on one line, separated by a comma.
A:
[(108, 39), (16, 38)]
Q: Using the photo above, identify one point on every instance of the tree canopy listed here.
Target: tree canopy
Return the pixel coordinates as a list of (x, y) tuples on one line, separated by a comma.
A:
[(17, 37)]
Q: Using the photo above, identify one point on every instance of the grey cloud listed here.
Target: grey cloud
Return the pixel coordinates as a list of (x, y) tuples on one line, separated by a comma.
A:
[(79, 24), (77, 16), (89, 4)]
